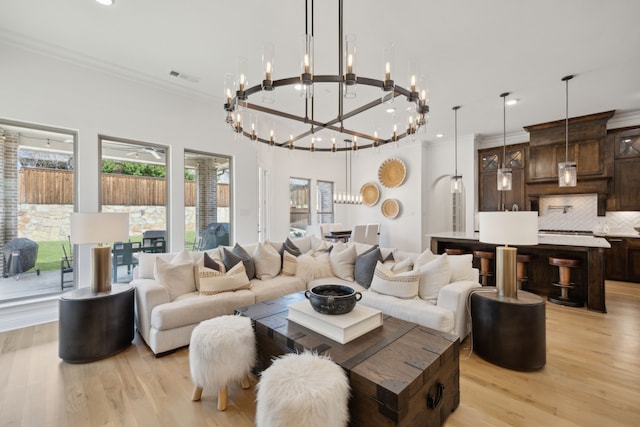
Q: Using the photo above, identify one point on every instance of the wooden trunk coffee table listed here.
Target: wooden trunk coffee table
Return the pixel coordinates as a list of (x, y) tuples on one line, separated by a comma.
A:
[(401, 374)]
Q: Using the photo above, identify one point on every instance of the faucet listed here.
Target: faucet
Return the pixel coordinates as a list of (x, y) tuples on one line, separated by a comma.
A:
[(565, 208)]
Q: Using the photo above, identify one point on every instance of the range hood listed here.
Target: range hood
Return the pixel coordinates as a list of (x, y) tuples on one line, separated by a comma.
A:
[(588, 147)]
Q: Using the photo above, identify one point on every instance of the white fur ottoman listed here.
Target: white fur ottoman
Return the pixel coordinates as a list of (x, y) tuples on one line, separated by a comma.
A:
[(303, 390), (222, 349)]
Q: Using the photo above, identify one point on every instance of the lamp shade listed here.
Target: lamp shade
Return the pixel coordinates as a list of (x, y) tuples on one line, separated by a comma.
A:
[(99, 227), (511, 228)]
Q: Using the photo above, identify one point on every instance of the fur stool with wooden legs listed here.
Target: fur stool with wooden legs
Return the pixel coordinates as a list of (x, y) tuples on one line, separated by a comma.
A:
[(303, 390), (222, 349)]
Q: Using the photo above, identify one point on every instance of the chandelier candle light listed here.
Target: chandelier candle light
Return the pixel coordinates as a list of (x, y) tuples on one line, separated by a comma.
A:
[(237, 93), (567, 171)]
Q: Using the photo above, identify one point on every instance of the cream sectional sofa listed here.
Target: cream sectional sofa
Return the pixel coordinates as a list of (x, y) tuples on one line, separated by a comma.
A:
[(170, 302)]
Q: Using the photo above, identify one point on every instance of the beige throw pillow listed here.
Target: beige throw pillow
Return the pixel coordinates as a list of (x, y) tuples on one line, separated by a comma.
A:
[(289, 264), (175, 275), (267, 261), (433, 276), (343, 262), (214, 282), (461, 267), (311, 266), (401, 285)]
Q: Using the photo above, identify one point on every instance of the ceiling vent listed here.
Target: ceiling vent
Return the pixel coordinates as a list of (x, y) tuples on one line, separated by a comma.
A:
[(184, 76)]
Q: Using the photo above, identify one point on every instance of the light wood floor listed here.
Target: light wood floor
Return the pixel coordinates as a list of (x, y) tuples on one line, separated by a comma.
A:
[(592, 378)]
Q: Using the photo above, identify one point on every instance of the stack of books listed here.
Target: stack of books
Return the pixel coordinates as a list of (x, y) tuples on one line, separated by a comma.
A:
[(342, 327)]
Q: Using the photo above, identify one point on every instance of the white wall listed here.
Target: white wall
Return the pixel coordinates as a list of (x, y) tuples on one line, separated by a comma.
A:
[(41, 89)]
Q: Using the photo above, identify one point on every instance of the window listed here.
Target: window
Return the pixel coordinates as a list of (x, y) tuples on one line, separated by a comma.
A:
[(324, 190), (207, 190), (133, 180), (37, 164), (300, 211)]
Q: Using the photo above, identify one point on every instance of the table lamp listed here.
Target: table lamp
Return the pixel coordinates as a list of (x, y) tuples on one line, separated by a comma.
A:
[(99, 228), (508, 228)]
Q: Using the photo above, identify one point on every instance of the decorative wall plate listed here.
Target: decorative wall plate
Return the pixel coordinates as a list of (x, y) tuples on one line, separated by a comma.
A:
[(370, 194), (390, 208), (392, 173)]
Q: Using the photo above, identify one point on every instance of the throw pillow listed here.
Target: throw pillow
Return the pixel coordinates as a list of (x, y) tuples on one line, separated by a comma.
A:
[(365, 265), (402, 266), (267, 261), (147, 262), (433, 276), (231, 258), (310, 267), (289, 264), (302, 243), (343, 262), (319, 245), (211, 263), (175, 275), (461, 267), (214, 282), (291, 247), (401, 285), (424, 258)]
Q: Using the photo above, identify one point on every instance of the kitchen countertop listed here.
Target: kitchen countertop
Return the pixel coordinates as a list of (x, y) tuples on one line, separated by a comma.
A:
[(543, 239)]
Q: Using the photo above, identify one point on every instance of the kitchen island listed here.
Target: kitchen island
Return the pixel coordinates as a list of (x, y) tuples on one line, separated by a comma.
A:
[(589, 250)]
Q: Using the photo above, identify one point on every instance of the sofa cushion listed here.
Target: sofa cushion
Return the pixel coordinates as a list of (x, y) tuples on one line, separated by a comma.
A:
[(176, 275), (401, 285), (365, 265), (267, 261), (191, 309), (343, 261), (433, 276), (237, 254), (312, 266), (461, 266), (211, 282), (411, 310), (265, 290)]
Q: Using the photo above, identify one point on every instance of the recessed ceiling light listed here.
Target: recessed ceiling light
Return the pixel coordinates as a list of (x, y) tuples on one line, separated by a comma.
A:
[(512, 101), (297, 87), (106, 2), (391, 110), (439, 135)]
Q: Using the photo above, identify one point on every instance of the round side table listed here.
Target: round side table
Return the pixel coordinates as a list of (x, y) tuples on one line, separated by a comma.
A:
[(95, 325), (509, 332)]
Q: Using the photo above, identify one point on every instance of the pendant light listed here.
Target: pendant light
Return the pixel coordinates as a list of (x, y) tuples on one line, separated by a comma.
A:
[(456, 180), (567, 171), (504, 173)]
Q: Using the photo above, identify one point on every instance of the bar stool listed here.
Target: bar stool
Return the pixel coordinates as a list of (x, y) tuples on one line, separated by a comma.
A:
[(454, 251), (521, 269), (485, 265), (565, 265)]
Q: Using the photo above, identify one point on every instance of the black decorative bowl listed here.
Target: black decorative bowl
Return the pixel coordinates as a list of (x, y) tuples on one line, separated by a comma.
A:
[(333, 299)]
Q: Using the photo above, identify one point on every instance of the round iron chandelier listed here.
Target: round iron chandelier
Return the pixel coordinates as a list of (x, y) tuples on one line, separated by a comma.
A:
[(238, 95)]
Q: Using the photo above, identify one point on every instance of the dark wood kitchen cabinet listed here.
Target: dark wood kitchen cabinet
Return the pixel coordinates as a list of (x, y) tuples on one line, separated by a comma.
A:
[(622, 261), (626, 182), (633, 261), (490, 160), (587, 147), (616, 259)]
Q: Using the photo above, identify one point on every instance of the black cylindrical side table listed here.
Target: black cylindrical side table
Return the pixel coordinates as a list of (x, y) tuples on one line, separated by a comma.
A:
[(95, 325), (509, 332)]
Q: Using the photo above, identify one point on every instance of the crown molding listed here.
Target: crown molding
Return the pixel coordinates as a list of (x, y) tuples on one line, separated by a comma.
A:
[(56, 52)]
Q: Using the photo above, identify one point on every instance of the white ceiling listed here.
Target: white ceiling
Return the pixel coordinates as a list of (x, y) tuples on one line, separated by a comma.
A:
[(469, 50)]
